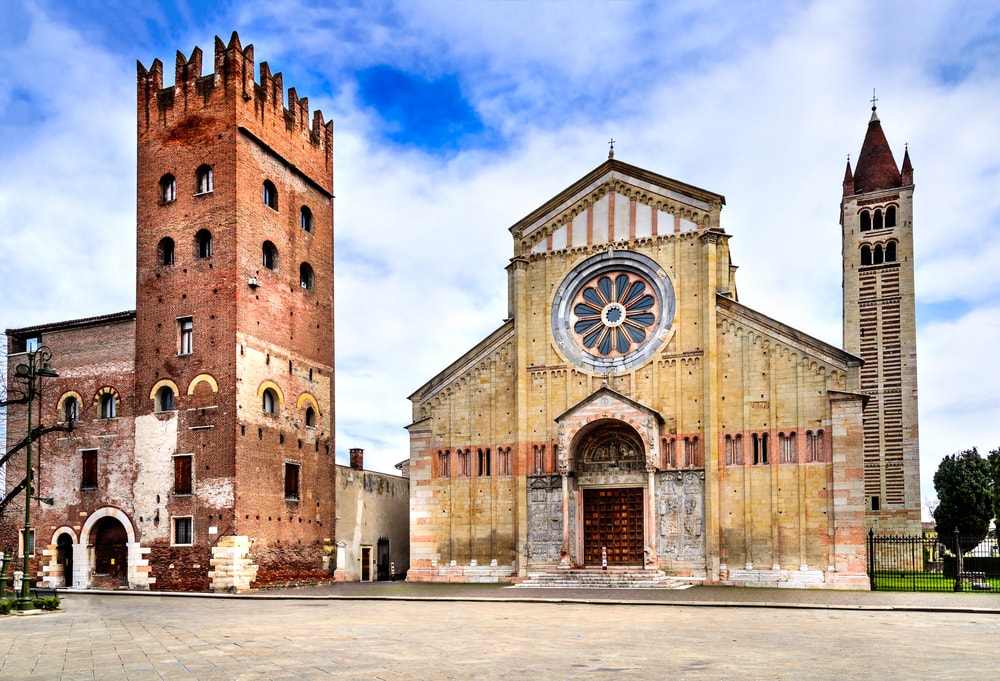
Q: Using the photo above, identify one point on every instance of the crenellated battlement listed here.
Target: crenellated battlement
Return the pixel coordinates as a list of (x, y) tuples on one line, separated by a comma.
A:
[(232, 84)]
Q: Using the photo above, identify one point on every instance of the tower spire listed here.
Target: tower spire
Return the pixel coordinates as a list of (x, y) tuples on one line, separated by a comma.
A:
[(876, 167)]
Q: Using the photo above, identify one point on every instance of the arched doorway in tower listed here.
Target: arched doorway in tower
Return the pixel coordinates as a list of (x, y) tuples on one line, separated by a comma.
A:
[(110, 553), (64, 557), (611, 465)]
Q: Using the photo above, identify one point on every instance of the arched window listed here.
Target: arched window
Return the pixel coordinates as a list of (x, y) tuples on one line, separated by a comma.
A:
[(165, 399), (270, 195), (270, 256), (734, 450), (866, 255), (789, 454), (165, 251), (667, 447), (890, 252), (203, 242), (71, 409), (866, 221), (306, 219), (109, 407), (890, 216), (692, 458), (814, 446), (306, 276), (879, 256), (878, 219), (168, 188), (270, 402), (310, 417), (203, 182), (759, 449), (539, 458)]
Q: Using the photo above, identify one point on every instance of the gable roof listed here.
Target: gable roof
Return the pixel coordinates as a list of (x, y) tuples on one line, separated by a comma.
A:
[(613, 169), (786, 333), (605, 390)]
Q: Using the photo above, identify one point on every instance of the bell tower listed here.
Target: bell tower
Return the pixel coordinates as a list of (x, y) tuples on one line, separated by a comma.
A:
[(876, 216)]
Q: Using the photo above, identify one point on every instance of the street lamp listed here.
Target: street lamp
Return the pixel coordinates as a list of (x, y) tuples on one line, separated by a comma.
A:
[(31, 374)]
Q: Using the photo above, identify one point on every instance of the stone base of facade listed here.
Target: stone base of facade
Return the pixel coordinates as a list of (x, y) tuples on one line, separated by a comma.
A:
[(473, 574), (794, 579)]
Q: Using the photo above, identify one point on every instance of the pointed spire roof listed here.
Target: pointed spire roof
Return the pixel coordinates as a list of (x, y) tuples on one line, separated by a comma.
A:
[(848, 178), (877, 168), (907, 169)]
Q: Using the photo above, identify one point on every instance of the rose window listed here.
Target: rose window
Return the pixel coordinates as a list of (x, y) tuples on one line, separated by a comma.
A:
[(614, 313)]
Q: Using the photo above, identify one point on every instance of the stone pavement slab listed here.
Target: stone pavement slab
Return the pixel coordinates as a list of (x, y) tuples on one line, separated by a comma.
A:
[(173, 637)]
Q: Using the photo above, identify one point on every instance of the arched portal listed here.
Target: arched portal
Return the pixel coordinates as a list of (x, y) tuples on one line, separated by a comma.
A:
[(108, 533), (64, 557), (610, 461), (110, 552)]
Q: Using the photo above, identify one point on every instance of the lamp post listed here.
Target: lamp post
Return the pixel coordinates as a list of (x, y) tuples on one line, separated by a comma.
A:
[(31, 374)]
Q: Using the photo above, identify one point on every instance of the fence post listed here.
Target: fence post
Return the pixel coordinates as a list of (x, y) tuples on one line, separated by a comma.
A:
[(958, 563), (871, 559)]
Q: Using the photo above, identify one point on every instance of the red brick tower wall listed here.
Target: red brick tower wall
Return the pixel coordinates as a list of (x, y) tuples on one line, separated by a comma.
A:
[(253, 327)]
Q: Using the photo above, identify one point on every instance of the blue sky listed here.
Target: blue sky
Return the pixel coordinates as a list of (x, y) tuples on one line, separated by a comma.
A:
[(454, 119)]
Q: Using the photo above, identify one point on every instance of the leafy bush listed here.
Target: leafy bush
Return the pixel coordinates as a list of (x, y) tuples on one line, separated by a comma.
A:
[(5, 606), (50, 603)]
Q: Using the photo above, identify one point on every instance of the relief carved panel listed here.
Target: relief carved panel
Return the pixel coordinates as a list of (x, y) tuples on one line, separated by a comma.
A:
[(545, 530), (680, 514)]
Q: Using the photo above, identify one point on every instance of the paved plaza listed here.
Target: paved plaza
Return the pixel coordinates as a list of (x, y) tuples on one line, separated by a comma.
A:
[(398, 632)]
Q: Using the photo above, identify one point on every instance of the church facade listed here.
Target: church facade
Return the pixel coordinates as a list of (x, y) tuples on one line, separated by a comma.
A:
[(632, 413)]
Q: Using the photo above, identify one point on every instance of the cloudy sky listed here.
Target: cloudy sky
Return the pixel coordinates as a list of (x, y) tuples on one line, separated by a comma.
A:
[(455, 119)]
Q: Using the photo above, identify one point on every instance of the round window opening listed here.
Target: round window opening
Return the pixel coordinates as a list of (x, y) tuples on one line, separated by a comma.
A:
[(613, 311)]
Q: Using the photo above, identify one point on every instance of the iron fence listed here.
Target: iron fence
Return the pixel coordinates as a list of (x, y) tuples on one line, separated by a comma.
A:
[(926, 563)]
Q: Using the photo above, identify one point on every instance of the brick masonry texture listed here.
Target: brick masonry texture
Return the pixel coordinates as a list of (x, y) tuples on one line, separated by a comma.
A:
[(253, 328)]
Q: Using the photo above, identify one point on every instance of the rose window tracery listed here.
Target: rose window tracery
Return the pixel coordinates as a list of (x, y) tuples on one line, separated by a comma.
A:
[(613, 313)]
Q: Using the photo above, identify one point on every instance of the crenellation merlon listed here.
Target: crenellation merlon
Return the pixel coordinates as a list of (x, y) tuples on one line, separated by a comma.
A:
[(187, 71), (234, 69)]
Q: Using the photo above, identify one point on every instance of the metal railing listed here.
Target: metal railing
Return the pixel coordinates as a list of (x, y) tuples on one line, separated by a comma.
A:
[(926, 563)]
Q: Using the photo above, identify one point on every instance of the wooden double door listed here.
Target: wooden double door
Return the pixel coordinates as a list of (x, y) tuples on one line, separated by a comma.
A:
[(613, 518)]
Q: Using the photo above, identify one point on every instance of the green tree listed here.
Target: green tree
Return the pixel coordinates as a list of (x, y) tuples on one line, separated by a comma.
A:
[(994, 462), (963, 482)]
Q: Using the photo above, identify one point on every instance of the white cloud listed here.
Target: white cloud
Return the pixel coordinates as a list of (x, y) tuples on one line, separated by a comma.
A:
[(761, 107)]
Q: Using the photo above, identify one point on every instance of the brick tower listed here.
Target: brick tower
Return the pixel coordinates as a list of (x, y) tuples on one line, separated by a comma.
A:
[(876, 214), (234, 385)]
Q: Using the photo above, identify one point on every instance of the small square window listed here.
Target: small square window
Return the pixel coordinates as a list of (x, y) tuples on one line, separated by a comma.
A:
[(183, 531)]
